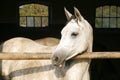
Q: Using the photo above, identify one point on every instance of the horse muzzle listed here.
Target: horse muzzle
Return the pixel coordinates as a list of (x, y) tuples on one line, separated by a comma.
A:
[(58, 58)]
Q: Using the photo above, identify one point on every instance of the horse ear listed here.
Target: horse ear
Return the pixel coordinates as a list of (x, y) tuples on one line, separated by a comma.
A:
[(68, 14), (77, 14)]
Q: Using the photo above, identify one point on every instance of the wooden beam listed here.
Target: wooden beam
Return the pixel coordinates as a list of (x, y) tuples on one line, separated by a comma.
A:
[(40, 56), (99, 55)]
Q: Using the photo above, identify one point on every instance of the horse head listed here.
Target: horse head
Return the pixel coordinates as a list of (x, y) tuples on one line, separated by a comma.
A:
[(76, 38)]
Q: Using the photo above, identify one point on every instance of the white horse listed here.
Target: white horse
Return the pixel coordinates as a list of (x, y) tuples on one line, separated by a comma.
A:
[(48, 41), (76, 38)]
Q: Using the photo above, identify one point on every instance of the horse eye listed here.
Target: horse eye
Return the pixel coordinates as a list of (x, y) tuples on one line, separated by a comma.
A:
[(74, 34)]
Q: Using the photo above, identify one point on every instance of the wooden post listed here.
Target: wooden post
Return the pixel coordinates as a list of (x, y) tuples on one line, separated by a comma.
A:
[(40, 56)]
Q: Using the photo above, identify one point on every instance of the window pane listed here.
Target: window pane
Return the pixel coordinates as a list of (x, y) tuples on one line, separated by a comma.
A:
[(34, 13), (118, 11), (37, 21), (44, 21), (23, 21), (99, 12), (105, 22), (107, 17), (30, 22), (118, 22), (98, 22), (106, 11), (113, 22), (113, 11), (40, 10), (33, 10)]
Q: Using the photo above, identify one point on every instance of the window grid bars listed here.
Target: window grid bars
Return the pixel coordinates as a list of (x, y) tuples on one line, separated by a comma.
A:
[(33, 21), (103, 17)]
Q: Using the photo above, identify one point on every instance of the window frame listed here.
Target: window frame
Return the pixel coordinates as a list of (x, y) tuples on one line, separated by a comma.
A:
[(49, 15), (102, 17)]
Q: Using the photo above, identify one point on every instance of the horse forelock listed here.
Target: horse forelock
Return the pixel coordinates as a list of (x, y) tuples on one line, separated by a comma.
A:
[(71, 18), (76, 20)]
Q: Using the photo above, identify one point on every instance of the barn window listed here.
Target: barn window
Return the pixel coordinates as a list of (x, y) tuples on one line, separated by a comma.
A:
[(107, 17), (33, 15)]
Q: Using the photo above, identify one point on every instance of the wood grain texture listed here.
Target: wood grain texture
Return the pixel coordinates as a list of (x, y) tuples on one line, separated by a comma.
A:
[(38, 56)]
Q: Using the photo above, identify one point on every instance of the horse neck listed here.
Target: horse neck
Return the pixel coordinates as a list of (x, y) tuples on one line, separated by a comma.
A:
[(89, 48), (90, 43)]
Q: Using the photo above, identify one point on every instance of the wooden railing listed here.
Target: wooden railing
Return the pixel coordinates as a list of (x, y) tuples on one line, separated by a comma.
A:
[(39, 56)]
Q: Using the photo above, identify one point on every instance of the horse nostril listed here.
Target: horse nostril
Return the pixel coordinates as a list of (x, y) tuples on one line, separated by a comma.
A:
[(56, 58)]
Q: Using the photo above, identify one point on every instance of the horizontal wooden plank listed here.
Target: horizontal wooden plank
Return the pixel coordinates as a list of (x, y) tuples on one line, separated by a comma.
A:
[(40, 56), (99, 55)]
